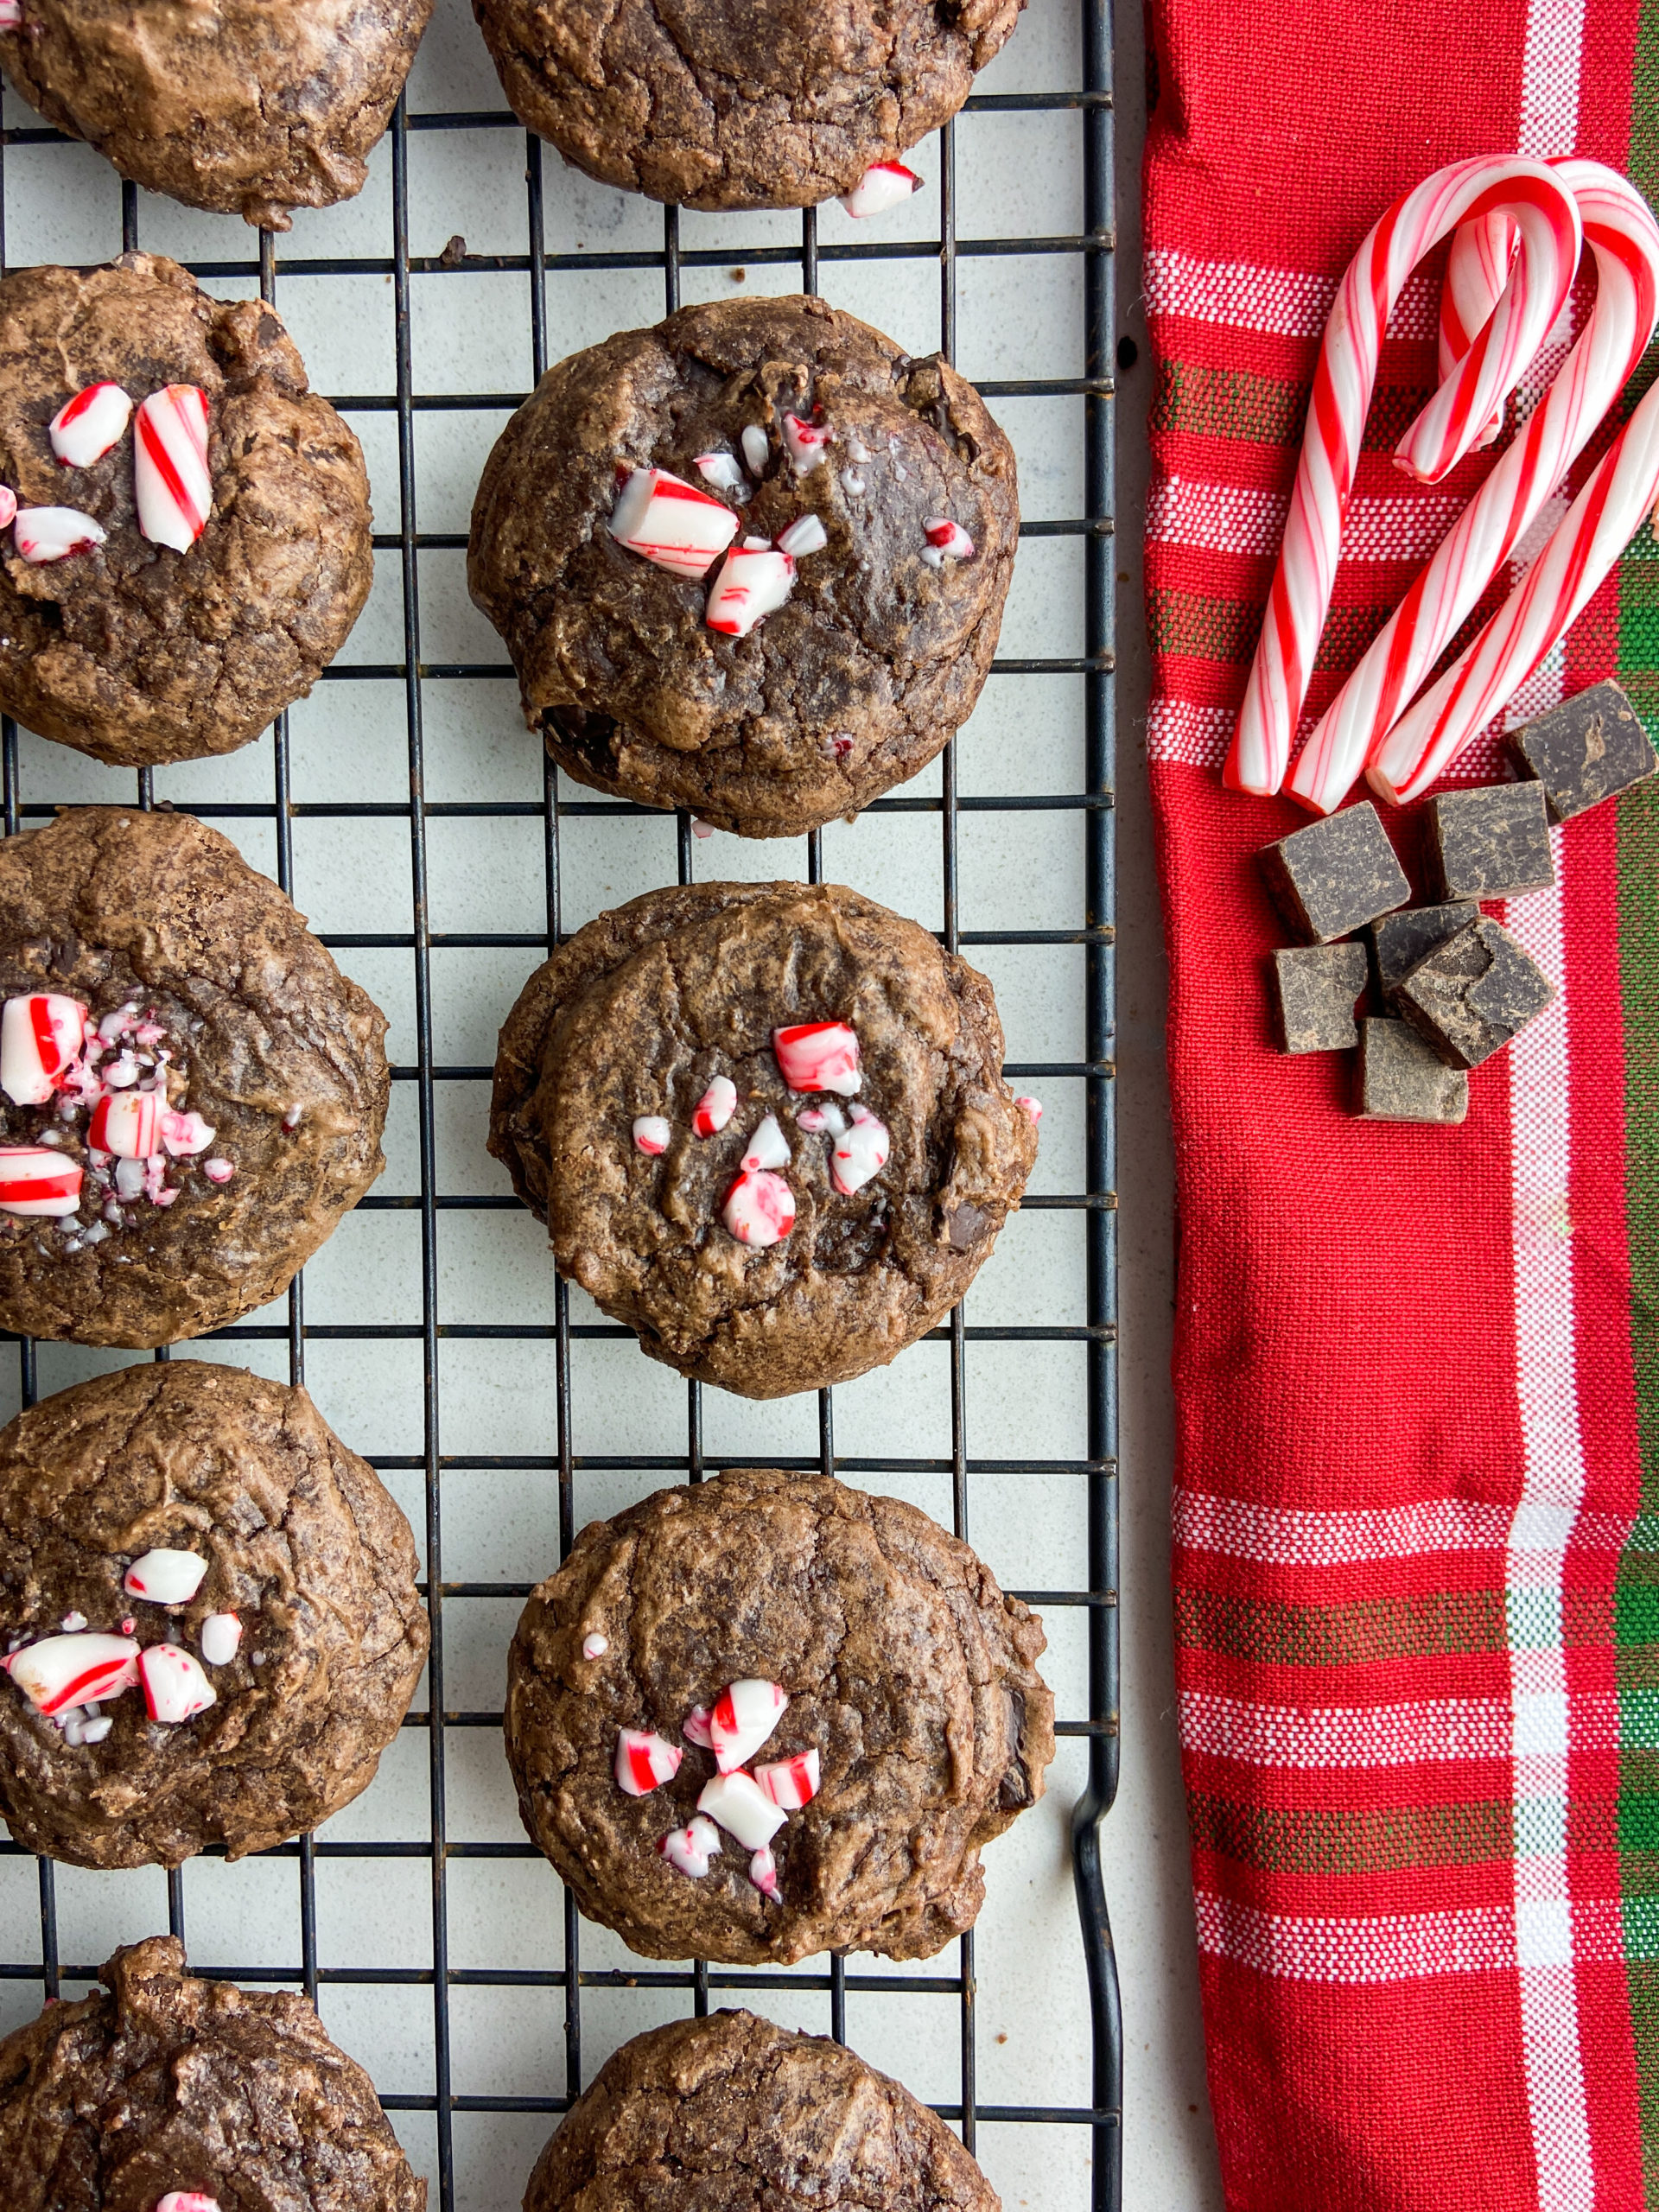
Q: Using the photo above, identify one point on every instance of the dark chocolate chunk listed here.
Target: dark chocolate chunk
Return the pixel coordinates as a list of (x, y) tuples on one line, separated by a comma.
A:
[(1473, 993), (1336, 875), (1584, 750), (1402, 1079), (1489, 844), (1400, 941), (1314, 987)]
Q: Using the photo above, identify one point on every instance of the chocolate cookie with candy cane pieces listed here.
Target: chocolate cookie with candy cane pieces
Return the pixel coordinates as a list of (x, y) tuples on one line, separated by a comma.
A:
[(232, 105), (191, 1093), (766, 1125), (769, 1715), (208, 1614), (752, 561), (163, 2093), (188, 542), (728, 104), (731, 2112)]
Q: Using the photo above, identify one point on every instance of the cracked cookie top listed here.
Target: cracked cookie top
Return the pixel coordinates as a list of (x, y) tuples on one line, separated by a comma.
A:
[(127, 648), (905, 1674), (873, 490), (263, 1582), (646, 1013), (724, 103)]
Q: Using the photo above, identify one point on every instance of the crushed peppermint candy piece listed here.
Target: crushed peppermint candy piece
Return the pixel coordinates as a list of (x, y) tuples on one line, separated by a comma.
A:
[(671, 523), (128, 1125), (218, 1171), (8, 497), (736, 1801), (852, 482), (790, 1782), (1031, 1108), (745, 1715), (818, 1056), (39, 1035), (756, 544), (702, 829), (815, 1118), (94, 1731), (946, 541), (861, 1154), (596, 1646), (37, 1181), (722, 470), (645, 1762), (695, 1728), (651, 1135), (768, 1147), (757, 448), (760, 1210), (691, 1847), (170, 478), (763, 1873), (71, 1624), (805, 535), (164, 1577), (43, 534), (11, 14), (121, 1073), (716, 1107), (64, 1670), (184, 1134), (750, 585), (220, 1634), (188, 2200), (175, 1688), (883, 185), (806, 443), (857, 448), (85, 428)]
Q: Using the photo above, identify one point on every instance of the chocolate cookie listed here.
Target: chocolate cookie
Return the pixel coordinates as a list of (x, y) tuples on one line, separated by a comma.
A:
[(766, 1125), (191, 1093), (232, 105), (168, 2084), (732, 104), (176, 575), (195, 1551), (769, 1716), (804, 598)]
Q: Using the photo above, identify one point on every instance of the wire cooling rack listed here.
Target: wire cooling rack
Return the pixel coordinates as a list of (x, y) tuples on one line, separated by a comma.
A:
[(397, 1367)]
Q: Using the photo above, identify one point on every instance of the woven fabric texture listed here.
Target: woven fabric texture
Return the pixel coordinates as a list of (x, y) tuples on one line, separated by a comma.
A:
[(1417, 1514)]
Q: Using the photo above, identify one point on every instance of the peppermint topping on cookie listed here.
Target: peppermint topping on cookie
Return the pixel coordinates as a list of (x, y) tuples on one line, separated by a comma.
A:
[(720, 469), (768, 1147), (745, 1715), (695, 1728), (860, 1154), (64, 1670), (43, 534), (11, 14), (218, 1171), (946, 541), (650, 1134), (186, 2199), (691, 1847), (757, 448), (596, 1646), (645, 1762), (164, 1577), (750, 585), (883, 185), (8, 506), (736, 1801), (806, 443), (818, 1056), (671, 522), (128, 1124), (763, 1871), (184, 1134), (39, 1036), (716, 1107), (1031, 1108), (805, 535), (814, 1118), (170, 479), (175, 1687), (220, 1634), (790, 1782), (37, 1181), (85, 428), (760, 1210), (72, 1622)]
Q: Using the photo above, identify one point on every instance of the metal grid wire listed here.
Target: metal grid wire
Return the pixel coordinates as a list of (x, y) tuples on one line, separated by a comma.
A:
[(561, 815)]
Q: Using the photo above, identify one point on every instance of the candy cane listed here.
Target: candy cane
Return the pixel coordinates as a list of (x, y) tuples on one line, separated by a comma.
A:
[(1549, 599), (1624, 240), (1476, 270), (1546, 220)]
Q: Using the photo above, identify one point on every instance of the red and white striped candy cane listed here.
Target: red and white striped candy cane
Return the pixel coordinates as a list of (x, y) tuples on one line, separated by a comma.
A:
[(1548, 600), (1624, 238), (172, 484), (1476, 270), (1545, 216)]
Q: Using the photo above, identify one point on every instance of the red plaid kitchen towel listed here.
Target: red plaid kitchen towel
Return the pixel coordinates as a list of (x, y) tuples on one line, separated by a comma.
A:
[(1417, 1520)]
